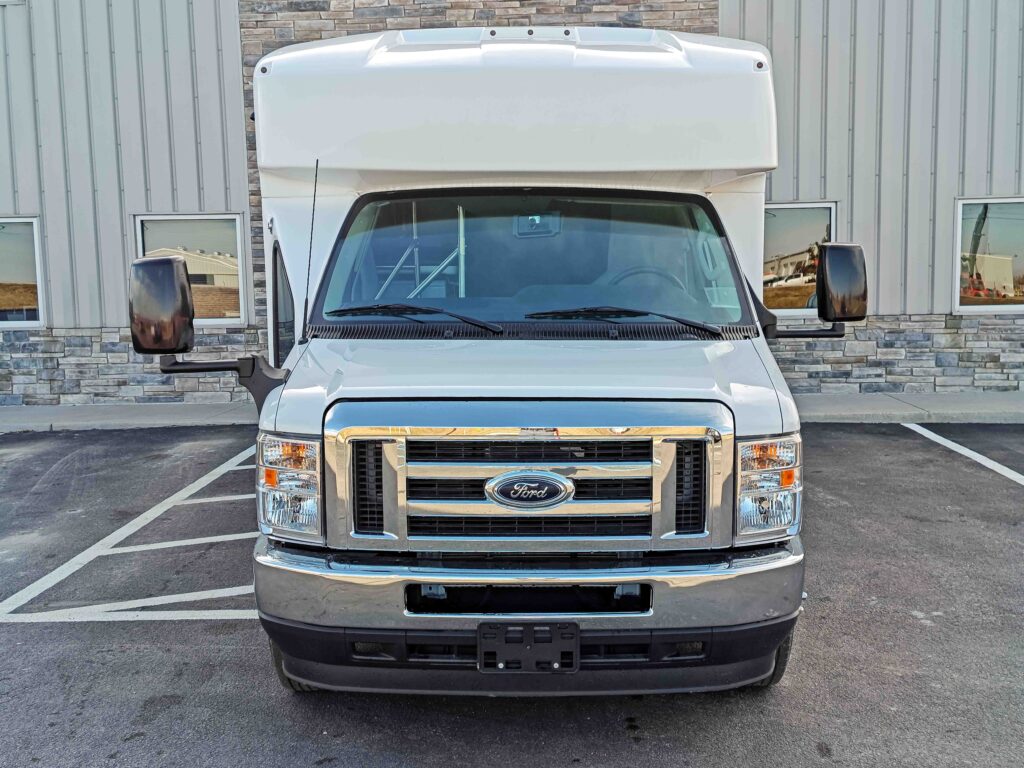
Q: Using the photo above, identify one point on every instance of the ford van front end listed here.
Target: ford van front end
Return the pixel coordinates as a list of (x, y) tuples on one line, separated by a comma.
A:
[(523, 433), (671, 562)]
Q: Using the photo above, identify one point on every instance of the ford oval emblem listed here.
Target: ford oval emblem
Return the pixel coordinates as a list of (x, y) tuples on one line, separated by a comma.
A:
[(529, 490)]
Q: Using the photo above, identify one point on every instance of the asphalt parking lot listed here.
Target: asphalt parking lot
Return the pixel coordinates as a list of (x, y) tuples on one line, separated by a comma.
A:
[(126, 643)]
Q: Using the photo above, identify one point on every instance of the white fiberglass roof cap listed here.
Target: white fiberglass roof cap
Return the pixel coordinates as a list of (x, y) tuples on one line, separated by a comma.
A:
[(517, 100)]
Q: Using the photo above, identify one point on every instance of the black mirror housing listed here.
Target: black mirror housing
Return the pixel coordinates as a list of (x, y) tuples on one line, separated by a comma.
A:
[(163, 323), (842, 285), (160, 306)]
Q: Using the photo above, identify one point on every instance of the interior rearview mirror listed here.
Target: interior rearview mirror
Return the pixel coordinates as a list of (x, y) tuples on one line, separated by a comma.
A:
[(842, 289), (160, 306)]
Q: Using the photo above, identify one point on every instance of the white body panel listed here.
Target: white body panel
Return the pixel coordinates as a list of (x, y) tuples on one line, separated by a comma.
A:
[(731, 372), (586, 100), (599, 107), (594, 108)]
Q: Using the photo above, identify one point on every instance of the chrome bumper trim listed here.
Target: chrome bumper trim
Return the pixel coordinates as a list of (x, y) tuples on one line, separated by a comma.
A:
[(737, 588)]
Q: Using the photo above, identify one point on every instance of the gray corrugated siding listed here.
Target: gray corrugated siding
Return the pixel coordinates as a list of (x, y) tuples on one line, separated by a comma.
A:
[(893, 109), (110, 109)]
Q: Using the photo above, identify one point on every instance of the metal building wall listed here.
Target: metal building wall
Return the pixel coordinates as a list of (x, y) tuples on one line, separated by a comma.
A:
[(894, 109), (109, 109)]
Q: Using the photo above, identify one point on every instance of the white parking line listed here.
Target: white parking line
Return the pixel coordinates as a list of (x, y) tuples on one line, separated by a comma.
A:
[(218, 499), (985, 461), (45, 617), (102, 546), (181, 543), (146, 602)]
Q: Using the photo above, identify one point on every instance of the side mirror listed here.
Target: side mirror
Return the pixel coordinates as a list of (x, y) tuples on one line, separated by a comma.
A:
[(841, 295), (842, 289), (160, 306), (162, 319)]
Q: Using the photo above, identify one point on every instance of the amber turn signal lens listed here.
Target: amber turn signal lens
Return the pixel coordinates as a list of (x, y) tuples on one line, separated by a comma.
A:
[(283, 453), (788, 478), (269, 477)]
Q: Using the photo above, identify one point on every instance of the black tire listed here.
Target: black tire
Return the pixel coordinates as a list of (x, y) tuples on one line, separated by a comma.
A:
[(292, 685), (781, 661)]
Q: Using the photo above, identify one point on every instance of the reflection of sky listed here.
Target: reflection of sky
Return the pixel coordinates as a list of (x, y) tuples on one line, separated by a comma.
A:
[(787, 230), (1003, 234), (17, 253), (193, 234)]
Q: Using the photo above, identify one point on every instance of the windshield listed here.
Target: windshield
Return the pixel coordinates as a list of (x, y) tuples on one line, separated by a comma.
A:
[(532, 256)]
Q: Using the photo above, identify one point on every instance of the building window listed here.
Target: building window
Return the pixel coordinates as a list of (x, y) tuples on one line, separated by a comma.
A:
[(19, 273), (283, 310), (990, 255), (211, 246), (793, 233)]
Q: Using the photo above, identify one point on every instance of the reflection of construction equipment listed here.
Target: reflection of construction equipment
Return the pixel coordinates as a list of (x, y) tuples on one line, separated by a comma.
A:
[(979, 228), (799, 266), (986, 275)]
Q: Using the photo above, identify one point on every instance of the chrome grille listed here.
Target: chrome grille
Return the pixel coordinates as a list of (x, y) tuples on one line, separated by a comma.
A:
[(511, 525), (512, 451), (418, 486), (587, 489), (368, 486), (620, 506), (691, 500)]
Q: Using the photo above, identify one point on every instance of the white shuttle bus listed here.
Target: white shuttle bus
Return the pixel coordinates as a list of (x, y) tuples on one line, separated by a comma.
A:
[(522, 433)]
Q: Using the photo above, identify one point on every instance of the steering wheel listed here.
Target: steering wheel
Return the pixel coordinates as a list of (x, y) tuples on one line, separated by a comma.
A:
[(634, 271)]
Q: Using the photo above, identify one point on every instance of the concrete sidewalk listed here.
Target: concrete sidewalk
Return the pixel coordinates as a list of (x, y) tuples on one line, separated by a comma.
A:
[(962, 407), (957, 407)]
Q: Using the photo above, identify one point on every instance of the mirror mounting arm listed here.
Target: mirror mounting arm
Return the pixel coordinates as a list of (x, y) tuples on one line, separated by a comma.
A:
[(254, 372), (834, 331)]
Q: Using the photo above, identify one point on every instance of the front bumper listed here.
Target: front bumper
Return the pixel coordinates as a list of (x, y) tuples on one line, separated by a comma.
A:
[(444, 662), (739, 605), (716, 589)]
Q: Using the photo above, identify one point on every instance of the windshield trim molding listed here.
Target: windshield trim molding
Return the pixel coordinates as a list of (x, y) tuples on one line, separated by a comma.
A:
[(548, 330)]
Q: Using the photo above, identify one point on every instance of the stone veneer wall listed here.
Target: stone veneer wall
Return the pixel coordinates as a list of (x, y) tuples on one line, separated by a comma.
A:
[(97, 365), (909, 353), (887, 353)]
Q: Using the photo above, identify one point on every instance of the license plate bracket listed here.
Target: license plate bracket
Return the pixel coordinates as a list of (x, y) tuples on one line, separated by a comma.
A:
[(538, 648)]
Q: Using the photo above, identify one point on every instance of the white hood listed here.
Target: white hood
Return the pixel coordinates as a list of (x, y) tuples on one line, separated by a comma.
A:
[(730, 372)]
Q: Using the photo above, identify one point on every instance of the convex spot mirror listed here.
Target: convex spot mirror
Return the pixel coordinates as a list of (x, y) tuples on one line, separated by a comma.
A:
[(160, 306), (842, 290)]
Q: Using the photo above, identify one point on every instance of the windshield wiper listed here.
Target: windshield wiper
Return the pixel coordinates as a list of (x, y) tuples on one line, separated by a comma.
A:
[(603, 313), (404, 310)]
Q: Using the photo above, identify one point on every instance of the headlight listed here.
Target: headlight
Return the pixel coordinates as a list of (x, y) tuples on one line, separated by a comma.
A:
[(768, 505), (288, 488)]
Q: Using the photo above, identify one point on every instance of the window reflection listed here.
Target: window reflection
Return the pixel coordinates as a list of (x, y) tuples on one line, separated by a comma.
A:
[(792, 240), (210, 249), (991, 248), (19, 290)]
